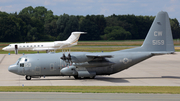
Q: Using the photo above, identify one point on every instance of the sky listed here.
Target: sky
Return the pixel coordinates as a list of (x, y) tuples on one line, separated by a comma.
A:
[(97, 7)]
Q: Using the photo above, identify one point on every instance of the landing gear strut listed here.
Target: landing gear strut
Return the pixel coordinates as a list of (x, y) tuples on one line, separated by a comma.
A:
[(28, 77), (76, 77)]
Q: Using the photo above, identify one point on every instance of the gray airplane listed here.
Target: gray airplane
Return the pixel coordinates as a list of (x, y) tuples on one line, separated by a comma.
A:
[(158, 41)]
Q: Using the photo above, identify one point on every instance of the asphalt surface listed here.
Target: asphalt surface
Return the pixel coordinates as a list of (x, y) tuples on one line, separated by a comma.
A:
[(41, 96), (162, 70)]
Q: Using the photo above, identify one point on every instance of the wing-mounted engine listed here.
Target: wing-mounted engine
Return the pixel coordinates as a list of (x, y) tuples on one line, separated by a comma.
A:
[(69, 71), (76, 57)]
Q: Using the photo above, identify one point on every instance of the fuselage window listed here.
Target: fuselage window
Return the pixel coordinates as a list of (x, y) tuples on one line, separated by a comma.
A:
[(21, 64), (38, 45), (25, 59), (19, 46), (27, 46), (31, 45), (34, 45), (23, 46), (41, 45)]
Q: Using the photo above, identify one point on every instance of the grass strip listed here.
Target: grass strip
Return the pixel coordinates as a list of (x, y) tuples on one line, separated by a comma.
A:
[(94, 89)]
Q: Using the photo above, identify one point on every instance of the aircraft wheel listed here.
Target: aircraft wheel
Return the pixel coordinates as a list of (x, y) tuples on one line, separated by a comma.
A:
[(92, 77), (76, 77), (28, 77)]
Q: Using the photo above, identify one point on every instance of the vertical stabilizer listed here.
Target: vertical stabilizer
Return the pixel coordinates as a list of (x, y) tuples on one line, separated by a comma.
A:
[(159, 37), (73, 39)]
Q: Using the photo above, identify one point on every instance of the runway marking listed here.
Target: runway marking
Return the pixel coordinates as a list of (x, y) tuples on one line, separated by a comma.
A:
[(2, 58)]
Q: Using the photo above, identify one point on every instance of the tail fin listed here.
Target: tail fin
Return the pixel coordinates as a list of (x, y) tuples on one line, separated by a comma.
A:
[(159, 38), (74, 37)]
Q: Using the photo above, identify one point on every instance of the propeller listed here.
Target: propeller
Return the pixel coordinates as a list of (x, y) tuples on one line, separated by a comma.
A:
[(63, 57), (68, 58)]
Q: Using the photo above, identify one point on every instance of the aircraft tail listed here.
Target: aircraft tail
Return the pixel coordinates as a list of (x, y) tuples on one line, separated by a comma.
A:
[(159, 38), (74, 37)]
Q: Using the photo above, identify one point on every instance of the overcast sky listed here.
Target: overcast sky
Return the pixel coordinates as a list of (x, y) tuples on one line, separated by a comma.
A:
[(104, 7)]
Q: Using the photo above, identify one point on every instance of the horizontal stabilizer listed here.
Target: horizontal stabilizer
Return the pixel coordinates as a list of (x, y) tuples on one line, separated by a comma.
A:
[(162, 52)]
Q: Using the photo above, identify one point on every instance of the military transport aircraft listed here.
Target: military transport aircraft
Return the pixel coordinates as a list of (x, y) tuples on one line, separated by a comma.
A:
[(45, 46), (158, 41)]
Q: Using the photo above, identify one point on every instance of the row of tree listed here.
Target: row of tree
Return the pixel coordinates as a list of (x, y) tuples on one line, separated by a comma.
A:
[(39, 24)]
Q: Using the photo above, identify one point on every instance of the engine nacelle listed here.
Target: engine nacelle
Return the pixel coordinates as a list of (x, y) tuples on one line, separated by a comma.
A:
[(86, 74), (69, 71)]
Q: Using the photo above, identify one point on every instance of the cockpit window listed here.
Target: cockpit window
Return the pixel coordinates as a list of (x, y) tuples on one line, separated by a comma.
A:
[(18, 61), (9, 45), (22, 60), (21, 64)]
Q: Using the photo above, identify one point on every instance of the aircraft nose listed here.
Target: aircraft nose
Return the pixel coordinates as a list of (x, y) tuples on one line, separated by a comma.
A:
[(13, 68), (4, 48)]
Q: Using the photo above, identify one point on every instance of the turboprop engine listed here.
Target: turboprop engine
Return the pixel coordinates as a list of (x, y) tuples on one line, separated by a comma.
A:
[(72, 71), (69, 71)]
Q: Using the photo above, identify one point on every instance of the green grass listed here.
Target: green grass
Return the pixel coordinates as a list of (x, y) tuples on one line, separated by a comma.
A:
[(94, 89)]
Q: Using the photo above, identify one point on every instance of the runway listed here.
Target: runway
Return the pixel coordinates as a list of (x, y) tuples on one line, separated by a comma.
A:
[(53, 96), (162, 70)]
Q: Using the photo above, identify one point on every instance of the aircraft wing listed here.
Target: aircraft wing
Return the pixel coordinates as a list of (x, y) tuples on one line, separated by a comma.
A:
[(99, 55)]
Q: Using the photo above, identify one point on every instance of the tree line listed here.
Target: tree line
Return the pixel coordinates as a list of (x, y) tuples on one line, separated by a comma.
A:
[(39, 24)]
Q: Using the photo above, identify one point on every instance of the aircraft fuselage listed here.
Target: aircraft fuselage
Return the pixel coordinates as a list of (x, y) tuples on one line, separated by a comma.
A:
[(51, 65)]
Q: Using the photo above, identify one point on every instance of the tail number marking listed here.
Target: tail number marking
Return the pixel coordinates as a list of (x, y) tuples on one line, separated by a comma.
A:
[(158, 42)]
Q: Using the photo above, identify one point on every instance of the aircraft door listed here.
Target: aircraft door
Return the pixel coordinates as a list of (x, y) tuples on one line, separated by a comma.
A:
[(37, 67), (16, 49), (21, 69)]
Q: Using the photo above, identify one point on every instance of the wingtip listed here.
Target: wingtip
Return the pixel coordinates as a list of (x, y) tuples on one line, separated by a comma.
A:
[(79, 32), (84, 33)]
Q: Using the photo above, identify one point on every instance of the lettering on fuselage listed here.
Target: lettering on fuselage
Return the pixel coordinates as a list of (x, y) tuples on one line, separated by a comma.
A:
[(126, 60), (27, 64), (158, 42)]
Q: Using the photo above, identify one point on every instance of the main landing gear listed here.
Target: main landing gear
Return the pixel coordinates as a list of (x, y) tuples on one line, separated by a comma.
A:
[(28, 77), (76, 77)]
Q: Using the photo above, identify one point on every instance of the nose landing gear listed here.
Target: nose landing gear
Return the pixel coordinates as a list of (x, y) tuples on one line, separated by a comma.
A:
[(28, 77)]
